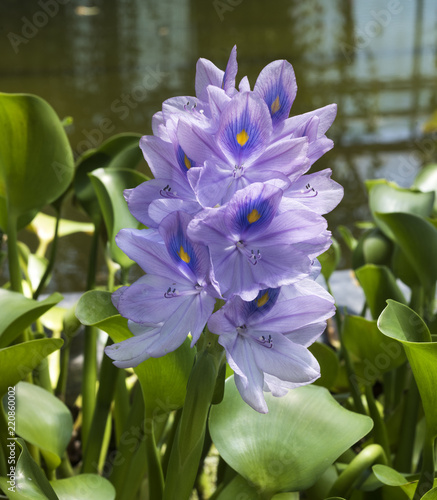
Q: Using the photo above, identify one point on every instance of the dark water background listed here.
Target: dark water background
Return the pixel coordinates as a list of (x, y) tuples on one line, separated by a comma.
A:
[(110, 63)]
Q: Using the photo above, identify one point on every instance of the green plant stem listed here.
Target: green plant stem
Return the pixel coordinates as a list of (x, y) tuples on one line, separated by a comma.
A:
[(65, 469), (154, 469), (135, 475), (372, 454), (379, 428), (188, 445), (404, 455), (121, 405), (107, 382), (51, 263), (426, 478), (170, 440), (90, 350), (44, 376), (13, 257), (351, 376), (389, 392), (3, 434), (130, 441), (61, 386)]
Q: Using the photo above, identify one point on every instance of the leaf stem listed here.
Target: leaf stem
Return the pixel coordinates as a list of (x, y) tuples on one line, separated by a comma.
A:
[(13, 257), (379, 428), (426, 479)]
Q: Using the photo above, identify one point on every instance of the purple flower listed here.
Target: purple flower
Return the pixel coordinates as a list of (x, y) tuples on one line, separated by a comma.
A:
[(241, 152), (266, 339), (253, 247), (174, 298)]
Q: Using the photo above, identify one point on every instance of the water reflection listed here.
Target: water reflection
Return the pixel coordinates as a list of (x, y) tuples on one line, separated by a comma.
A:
[(109, 64)]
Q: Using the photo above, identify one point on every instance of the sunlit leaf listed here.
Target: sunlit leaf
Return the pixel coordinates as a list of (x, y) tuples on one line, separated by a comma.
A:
[(36, 161), (84, 486), (164, 379), (290, 447), (401, 323), (31, 483), (329, 364), (17, 361), (426, 180), (18, 312), (43, 420)]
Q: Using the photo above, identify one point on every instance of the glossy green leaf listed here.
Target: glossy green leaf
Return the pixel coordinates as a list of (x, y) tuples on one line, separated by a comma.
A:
[(109, 186), (418, 240), (401, 323), (387, 197), (164, 379), (31, 483), (17, 313), (119, 151), (389, 476), (239, 488), (348, 237), (330, 259), (290, 447), (378, 284), (36, 161), (43, 420), (329, 364), (376, 354), (17, 361), (84, 486), (426, 180), (403, 269)]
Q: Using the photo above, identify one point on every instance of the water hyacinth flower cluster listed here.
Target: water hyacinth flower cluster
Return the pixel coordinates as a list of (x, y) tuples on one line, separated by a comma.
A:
[(232, 214)]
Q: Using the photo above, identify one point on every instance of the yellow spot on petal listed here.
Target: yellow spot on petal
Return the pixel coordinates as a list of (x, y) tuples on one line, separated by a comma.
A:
[(275, 105), (187, 162), (242, 137), (262, 300), (183, 255), (253, 216)]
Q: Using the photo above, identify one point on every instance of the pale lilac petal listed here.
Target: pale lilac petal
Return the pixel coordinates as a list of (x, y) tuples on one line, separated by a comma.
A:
[(159, 209), (230, 73), (276, 84), (207, 73), (244, 85)]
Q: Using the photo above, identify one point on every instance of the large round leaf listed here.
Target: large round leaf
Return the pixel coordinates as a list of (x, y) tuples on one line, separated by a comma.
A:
[(163, 380), (84, 486), (402, 324), (43, 420), (36, 161), (386, 197), (290, 447), (18, 360)]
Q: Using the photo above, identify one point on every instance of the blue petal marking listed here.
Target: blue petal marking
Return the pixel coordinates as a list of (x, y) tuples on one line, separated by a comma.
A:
[(181, 157), (243, 122), (278, 91), (262, 304), (264, 208), (178, 240)]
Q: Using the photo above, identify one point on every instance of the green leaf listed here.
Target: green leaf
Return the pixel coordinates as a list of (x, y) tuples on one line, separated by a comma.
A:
[(430, 495), (43, 420), (17, 313), (426, 180), (389, 476), (31, 483), (164, 379), (401, 323), (330, 259), (119, 151), (376, 353), (348, 237), (36, 161), (290, 447), (329, 364), (378, 284), (17, 361), (239, 488), (84, 486), (109, 186), (418, 241), (387, 197)]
